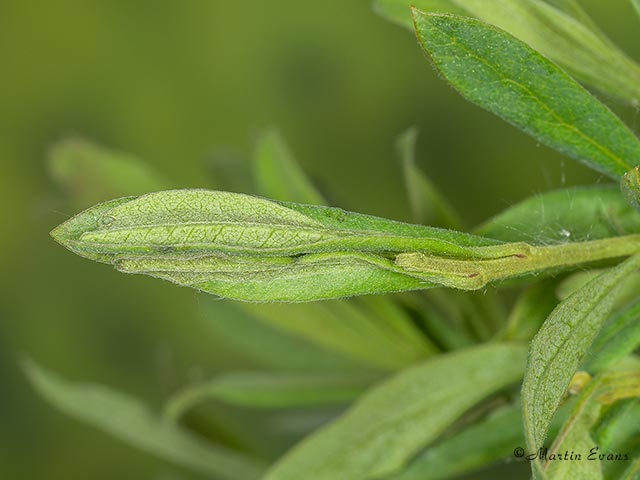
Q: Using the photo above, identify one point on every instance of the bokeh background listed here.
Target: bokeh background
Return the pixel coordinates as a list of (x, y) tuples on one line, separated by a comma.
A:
[(183, 85)]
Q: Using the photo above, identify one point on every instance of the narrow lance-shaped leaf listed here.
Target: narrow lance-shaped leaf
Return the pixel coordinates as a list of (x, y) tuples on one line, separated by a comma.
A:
[(90, 173), (349, 329), (618, 338), (560, 30), (129, 420), (427, 203), (271, 390), (277, 175), (267, 346), (575, 437), (393, 421), (250, 248), (507, 77), (479, 445), (558, 348), (531, 309)]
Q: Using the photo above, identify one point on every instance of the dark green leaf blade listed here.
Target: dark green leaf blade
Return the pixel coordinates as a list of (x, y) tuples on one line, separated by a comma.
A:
[(402, 415), (131, 421), (505, 76), (566, 215)]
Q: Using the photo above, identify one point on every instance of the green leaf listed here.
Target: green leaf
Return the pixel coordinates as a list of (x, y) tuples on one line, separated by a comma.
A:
[(351, 330), (507, 77), (427, 204), (557, 350), (636, 6), (630, 186), (129, 420), (278, 175), (271, 390), (531, 309), (633, 471), (575, 436), (567, 215), (249, 248), (393, 421), (89, 173), (486, 442), (559, 29), (266, 345), (619, 337)]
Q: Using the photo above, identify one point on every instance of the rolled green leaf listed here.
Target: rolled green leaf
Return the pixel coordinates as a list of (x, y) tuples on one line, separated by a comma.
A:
[(129, 420), (396, 419), (557, 350), (502, 74), (249, 248)]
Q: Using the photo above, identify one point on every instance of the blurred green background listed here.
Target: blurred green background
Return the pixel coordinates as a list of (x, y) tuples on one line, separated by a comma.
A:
[(183, 85)]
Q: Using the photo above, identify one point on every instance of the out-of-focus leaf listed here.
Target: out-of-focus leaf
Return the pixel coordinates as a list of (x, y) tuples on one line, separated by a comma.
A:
[(619, 337), (396, 419), (278, 175), (129, 420), (611, 423), (399, 11), (229, 170), (480, 445), (562, 32), (447, 332), (575, 436), (507, 77), (633, 471), (90, 173), (349, 330), (270, 346), (636, 6), (558, 348), (427, 203), (630, 187), (566, 215), (271, 390), (530, 310)]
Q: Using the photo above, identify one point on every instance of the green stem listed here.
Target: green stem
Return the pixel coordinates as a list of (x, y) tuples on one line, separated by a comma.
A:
[(519, 259)]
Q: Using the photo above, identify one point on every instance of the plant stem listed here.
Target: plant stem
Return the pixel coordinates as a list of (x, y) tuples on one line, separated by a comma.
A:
[(521, 259)]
